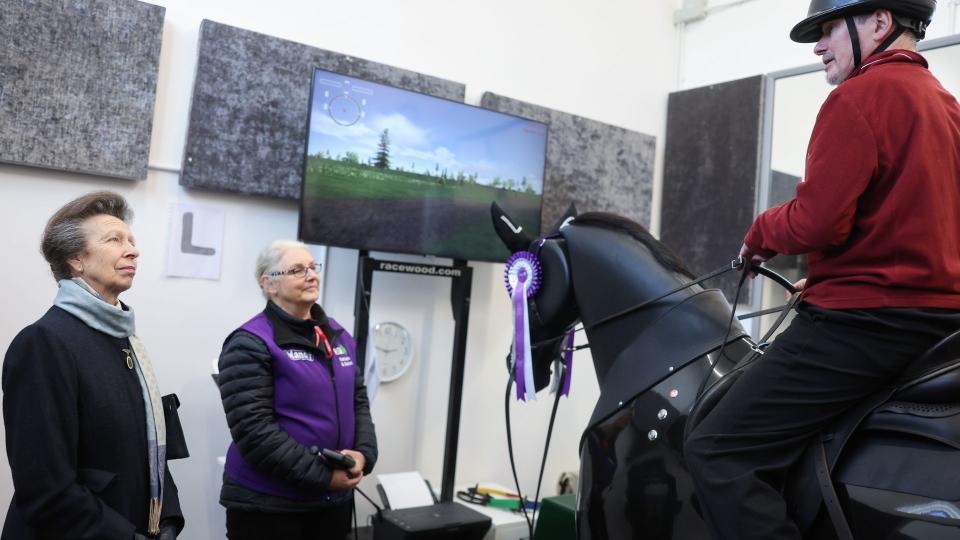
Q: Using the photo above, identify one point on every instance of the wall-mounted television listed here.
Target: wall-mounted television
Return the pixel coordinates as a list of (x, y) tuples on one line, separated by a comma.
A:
[(388, 169)]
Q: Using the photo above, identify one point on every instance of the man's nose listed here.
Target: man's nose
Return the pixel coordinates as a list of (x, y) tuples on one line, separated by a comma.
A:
[(820, 47)]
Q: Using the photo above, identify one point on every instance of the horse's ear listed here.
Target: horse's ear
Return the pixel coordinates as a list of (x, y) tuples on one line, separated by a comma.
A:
[(511, 234), (565, 218)]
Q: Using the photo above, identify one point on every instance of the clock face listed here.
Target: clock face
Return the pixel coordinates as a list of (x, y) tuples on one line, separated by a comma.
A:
[(393, 349)]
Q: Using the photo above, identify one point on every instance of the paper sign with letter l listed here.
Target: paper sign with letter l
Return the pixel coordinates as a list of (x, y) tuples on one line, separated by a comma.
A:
[(196, 241)]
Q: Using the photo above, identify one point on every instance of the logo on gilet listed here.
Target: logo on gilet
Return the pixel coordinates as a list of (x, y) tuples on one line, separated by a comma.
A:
[(300, 356)]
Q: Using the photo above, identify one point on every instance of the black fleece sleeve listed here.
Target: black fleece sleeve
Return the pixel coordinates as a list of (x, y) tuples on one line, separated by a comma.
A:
[(40, 396), (365, 440), (170, 511), (246, 390)]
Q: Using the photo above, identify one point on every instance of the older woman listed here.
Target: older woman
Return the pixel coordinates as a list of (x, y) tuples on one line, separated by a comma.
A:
[(84, 421), (291, 388)]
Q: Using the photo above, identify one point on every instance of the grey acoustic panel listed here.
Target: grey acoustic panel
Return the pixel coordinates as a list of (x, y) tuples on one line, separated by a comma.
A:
[(710, 174), (597, 166), (248, 117), (783, 187), (78, 84)]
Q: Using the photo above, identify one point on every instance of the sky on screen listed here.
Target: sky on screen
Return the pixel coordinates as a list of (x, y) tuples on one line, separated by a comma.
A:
[(426, 134)]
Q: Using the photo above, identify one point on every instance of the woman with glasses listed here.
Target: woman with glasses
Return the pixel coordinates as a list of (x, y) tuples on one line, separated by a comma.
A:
[(290, 389)]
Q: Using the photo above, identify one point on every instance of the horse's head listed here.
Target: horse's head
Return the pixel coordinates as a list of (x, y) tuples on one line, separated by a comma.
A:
[(553, 310), (594, 268)]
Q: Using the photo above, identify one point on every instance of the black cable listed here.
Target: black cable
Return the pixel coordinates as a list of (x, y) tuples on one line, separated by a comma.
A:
[(513, 464), (375, 505), (353, 510), (532, 518), (733, 313), (379, 517), (546, 448)]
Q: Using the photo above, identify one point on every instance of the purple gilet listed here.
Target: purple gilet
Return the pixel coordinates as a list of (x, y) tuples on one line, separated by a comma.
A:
[(313, 402)]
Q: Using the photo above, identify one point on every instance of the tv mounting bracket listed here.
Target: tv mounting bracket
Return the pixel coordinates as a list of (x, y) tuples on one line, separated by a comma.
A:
[(462, 281)]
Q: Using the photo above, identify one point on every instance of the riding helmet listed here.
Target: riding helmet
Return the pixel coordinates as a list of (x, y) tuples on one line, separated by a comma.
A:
[(913, 14)]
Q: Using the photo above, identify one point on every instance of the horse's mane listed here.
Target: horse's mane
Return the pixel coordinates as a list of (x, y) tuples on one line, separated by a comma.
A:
[(660, 251)]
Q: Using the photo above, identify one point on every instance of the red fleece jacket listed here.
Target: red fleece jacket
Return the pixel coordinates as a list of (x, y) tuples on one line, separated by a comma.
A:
[(878, 213)]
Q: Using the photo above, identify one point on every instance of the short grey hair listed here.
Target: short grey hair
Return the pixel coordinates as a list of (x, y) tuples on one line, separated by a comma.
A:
[(861, 18), (269, 259), (63, 237)]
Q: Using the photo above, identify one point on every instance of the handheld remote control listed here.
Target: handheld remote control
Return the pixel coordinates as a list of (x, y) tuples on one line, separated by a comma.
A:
[(338, 460)]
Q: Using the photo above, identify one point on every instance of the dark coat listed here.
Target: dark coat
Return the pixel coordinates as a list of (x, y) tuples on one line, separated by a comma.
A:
[(246, 388), (76, 436)]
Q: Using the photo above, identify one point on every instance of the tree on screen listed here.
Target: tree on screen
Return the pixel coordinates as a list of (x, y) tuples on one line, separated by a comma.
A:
[(382, 159)]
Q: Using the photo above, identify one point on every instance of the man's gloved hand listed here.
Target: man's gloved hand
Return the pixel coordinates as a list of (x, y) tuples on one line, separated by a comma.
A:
[(752, 258)]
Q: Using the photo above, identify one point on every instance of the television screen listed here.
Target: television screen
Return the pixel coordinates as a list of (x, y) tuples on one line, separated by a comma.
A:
[(393, 170)]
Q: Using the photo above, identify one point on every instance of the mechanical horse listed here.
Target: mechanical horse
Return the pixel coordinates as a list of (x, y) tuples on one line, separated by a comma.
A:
[(888, 468)]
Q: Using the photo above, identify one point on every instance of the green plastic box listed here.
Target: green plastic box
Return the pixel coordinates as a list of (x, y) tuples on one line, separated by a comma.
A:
[(557, 519)]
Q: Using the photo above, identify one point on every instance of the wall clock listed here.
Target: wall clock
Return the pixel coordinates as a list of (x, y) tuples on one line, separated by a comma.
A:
[(394, 350)]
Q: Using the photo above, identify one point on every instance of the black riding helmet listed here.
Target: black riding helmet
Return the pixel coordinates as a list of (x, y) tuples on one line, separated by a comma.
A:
[(912, 14)]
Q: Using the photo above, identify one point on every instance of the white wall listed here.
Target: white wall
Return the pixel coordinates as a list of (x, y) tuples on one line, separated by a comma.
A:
[(751, 37), (614, 62)]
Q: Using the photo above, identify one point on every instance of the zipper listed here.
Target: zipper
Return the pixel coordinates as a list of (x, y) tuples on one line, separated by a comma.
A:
[(336, 399), (320, 337)]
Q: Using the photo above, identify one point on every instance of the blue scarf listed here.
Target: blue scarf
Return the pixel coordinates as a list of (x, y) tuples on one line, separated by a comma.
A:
[(80, 300)]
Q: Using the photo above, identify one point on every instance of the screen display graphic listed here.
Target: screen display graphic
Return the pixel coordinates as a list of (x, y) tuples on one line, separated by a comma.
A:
[(392, 170)]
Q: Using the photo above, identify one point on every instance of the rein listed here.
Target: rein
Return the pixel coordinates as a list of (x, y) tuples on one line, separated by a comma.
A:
[(735, 264), (732, 265)]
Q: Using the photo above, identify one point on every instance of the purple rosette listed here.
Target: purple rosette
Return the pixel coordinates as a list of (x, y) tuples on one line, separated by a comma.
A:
[(522, 277)]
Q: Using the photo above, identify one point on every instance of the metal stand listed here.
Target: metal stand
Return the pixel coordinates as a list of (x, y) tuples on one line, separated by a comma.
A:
[(462, 281)]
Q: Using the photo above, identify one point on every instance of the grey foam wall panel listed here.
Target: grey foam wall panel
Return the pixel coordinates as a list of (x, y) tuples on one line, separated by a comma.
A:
[(597, 166), (248, 116), (783, 187), (78, 84), (711, 166)]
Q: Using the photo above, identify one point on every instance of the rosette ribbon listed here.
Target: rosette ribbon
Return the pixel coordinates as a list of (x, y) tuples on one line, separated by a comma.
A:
[(523, 281)]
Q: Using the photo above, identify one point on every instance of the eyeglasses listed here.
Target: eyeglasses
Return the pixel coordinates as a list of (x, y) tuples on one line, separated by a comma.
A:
[(298, 271)]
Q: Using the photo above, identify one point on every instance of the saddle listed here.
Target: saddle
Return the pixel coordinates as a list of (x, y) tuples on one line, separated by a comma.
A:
[(898, 445)]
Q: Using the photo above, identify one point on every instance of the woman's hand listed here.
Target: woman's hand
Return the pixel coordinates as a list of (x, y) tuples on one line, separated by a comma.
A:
[(341, 480), (359, 460)]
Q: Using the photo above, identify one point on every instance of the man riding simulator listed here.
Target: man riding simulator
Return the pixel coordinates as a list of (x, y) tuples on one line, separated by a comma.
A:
[(878, 216)]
